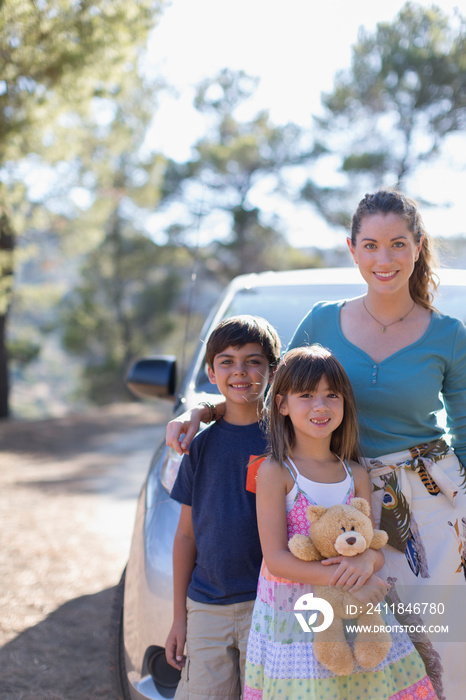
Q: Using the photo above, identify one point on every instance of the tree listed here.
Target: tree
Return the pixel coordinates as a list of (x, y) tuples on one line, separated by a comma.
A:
[(391, 111), (120, 309), (56, 57), (230, 163)]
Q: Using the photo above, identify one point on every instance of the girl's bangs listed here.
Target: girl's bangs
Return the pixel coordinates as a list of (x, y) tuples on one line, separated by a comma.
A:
[(307, 375)]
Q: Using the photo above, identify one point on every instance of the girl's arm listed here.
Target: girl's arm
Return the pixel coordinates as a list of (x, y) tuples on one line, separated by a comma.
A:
[(353, 572), (188, 423), (271, 519)]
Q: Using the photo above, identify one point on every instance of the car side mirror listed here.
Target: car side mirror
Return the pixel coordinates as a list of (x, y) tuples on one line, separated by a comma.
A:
[(153, 377)]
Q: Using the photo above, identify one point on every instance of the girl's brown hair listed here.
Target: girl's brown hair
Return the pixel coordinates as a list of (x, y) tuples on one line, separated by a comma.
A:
[(423, 279), (299, 371)]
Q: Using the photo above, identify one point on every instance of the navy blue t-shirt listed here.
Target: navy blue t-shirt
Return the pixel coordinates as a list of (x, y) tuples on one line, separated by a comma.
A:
[(212, 480)]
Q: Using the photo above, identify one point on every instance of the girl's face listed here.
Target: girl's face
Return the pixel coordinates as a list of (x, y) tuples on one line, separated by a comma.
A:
[(385, 252), (314, 414)]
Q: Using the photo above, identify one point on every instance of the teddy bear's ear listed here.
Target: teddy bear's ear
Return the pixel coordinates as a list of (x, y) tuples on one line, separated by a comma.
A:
[(362, 505), (315, 512)]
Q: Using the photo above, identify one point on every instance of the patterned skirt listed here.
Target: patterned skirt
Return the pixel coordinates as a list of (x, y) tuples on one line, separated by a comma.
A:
[(280, 662), (419, 498)]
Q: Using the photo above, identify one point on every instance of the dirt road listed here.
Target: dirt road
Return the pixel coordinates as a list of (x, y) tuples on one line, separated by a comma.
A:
[(68, 490)]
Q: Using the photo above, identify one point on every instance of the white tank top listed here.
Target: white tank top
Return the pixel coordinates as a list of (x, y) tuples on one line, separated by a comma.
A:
[(322, 494)]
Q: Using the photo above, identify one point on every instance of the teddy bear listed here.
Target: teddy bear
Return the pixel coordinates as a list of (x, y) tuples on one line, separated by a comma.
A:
[(346, 530)]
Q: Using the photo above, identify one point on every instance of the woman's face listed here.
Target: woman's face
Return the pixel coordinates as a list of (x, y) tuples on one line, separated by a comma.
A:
[(385, 252)]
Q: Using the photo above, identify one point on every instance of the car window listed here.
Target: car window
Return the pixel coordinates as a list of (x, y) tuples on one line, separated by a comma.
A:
[(283, 307)]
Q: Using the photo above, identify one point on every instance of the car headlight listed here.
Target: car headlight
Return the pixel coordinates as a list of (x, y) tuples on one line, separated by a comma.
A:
[(170, 467)]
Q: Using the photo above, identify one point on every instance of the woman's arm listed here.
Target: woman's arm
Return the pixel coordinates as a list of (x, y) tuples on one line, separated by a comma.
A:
[(188, 423), (454, 394)]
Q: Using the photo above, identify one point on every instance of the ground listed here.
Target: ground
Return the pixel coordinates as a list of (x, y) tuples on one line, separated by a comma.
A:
[(68, 490)]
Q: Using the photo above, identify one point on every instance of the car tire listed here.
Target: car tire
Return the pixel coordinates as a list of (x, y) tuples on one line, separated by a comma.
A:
[(118, 677)]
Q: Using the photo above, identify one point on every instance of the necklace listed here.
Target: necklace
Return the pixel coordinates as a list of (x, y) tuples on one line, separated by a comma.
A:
[(387, 325)]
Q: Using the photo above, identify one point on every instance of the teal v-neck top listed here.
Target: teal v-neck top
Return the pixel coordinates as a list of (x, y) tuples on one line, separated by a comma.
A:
[(399, 398)]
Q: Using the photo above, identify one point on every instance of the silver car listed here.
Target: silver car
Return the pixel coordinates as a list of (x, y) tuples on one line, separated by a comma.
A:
[(142, 612)]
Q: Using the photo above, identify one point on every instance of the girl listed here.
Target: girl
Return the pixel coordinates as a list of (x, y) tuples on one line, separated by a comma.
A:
[(313, 436)]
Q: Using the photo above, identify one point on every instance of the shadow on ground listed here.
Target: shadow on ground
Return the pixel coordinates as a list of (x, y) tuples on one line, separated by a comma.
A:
[(68, 491), (64, 656)]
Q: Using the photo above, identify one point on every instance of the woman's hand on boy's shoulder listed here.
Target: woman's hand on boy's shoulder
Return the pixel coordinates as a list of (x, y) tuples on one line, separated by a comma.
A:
[(181, 430)]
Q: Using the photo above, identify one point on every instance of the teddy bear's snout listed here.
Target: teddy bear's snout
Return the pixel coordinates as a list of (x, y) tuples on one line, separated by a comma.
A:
[(350, 543)]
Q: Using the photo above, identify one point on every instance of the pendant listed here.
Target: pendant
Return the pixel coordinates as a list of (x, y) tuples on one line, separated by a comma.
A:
[(384, 328)]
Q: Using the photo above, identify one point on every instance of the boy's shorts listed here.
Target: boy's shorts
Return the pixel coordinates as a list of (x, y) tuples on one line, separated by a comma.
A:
[(216, 642)]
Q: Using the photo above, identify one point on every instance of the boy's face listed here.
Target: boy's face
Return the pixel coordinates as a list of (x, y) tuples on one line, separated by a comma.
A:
[(241, 374)]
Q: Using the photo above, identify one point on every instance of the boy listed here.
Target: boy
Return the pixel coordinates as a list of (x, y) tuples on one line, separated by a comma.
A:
[(216, 552)]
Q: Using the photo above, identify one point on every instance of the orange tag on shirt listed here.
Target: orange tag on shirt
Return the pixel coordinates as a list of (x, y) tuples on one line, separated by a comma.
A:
[(253, 467)]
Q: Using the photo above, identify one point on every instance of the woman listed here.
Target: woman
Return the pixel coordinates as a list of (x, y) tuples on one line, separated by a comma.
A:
[(401, 355)]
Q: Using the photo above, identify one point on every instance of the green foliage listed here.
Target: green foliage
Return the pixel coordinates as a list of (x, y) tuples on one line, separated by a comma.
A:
[(122, 308), (23, 350), (371, 162), (112, 165), (390, 112), (58, 58), (413, 68), (59, 53)]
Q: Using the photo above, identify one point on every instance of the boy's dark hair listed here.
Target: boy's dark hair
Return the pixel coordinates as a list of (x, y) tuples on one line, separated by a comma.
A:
[(240, 330)]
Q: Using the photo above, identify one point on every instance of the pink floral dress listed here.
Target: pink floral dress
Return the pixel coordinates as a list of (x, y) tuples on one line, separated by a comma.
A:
[(280, 663)]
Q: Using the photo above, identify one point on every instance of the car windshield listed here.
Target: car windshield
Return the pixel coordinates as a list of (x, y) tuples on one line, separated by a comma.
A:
[(285, 306), (282, 306)]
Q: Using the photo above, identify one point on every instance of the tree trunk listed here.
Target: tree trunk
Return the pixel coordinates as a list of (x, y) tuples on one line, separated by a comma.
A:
[(4, 379), (7, 243)]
